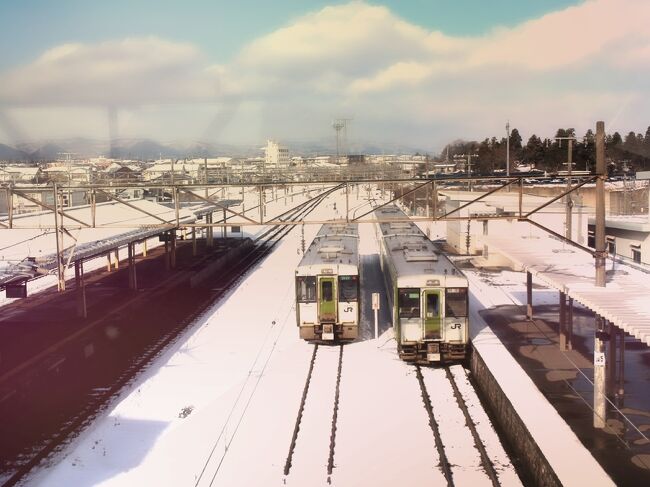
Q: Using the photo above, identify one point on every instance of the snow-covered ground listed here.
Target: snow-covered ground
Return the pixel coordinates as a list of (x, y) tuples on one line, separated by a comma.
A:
[(219, 407)]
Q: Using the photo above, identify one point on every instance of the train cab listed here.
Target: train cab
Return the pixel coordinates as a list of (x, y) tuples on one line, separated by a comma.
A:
[(327, 286)]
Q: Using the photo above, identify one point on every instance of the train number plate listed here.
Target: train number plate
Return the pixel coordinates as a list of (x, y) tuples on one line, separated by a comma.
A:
[(328, 332), (433, 357)]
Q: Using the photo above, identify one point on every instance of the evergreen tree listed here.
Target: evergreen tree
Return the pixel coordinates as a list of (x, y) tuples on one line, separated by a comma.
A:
[(646, 143), (630, 142), (515, 140)]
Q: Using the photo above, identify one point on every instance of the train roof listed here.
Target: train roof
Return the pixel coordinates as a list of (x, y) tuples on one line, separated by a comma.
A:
[(335, 243), (411, 251)]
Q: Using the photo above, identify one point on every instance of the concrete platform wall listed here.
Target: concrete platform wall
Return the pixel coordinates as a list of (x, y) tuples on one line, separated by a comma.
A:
[(515, 430)]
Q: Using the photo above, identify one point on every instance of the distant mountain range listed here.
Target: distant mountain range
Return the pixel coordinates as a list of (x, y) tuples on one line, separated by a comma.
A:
[(147, 149)]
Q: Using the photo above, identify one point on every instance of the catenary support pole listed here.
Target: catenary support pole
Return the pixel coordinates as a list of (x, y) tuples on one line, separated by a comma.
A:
[(600, 254), (59, 246)]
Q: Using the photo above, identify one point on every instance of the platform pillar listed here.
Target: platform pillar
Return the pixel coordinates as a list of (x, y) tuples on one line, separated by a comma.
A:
[(109, 264), (167, 263), (172, 261), (600, 374), (224, 231), (144, 248), (563, 320), (82, 310), (133, 279), (611, 358), (116, 264), (193, 241), (209, 231), (569, 329), (529, 295), (621, 364)]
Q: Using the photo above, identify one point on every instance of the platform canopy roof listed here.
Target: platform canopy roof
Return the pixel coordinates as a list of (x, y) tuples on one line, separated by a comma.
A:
[(625, 299), (29, 250)]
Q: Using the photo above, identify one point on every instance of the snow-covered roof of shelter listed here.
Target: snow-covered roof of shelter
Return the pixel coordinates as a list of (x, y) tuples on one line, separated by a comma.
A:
[(218, 205), (624, 300), (118, 225)]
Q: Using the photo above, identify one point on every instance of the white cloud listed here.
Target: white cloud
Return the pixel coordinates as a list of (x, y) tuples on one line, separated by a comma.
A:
[(130, 71), (399, 81)]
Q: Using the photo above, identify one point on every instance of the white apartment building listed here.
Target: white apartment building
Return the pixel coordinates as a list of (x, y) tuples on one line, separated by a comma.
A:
[(275, 156)]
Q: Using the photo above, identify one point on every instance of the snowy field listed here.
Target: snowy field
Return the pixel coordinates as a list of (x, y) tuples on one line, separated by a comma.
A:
[(219, 407)]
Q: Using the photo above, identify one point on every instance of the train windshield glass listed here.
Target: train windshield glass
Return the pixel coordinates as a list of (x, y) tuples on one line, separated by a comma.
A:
[(456, 302), (306, 289), (408, 300), (348, 288)]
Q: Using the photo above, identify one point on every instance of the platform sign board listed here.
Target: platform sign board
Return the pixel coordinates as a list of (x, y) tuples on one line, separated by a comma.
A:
[(375, 301), (643, 175), (599, 359)]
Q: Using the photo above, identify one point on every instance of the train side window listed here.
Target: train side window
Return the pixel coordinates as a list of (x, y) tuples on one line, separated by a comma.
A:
[(456, 302), (348, 288), (306, 289), (326, 290), (408, 300)]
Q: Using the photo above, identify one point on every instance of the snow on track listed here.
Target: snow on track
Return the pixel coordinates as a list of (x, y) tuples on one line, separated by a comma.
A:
[(499, 458), (383, 437), (309, 463), (464, 458)]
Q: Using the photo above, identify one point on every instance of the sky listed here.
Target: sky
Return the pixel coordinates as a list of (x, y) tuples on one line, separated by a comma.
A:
[(415, 73)]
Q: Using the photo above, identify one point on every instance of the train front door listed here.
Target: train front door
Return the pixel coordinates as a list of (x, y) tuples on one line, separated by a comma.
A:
[(432, 319), (327, 300)]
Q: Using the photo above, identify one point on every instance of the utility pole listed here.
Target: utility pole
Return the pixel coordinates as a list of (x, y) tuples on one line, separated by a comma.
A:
[(508, 148), (508, 151), (469, 169)]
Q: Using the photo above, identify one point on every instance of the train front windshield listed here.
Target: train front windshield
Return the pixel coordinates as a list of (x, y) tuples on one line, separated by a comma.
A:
[(348, 288), (408, 301), (456, 302), (306, 289)]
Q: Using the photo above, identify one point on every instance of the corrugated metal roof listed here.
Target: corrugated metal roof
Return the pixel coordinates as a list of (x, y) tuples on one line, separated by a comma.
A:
[(625, 299)]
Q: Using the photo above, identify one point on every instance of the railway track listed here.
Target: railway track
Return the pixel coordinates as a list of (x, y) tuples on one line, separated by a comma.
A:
[(426, 399), (452, 470), (320, 371), (97, 400)]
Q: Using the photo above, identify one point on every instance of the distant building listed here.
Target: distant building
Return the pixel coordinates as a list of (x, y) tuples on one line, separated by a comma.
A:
[(626, 236), (275, 156), (19, 174), (356, 159)]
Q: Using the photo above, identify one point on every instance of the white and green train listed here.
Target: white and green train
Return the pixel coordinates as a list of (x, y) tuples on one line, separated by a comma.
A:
[(427, 293), (327, 286)]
